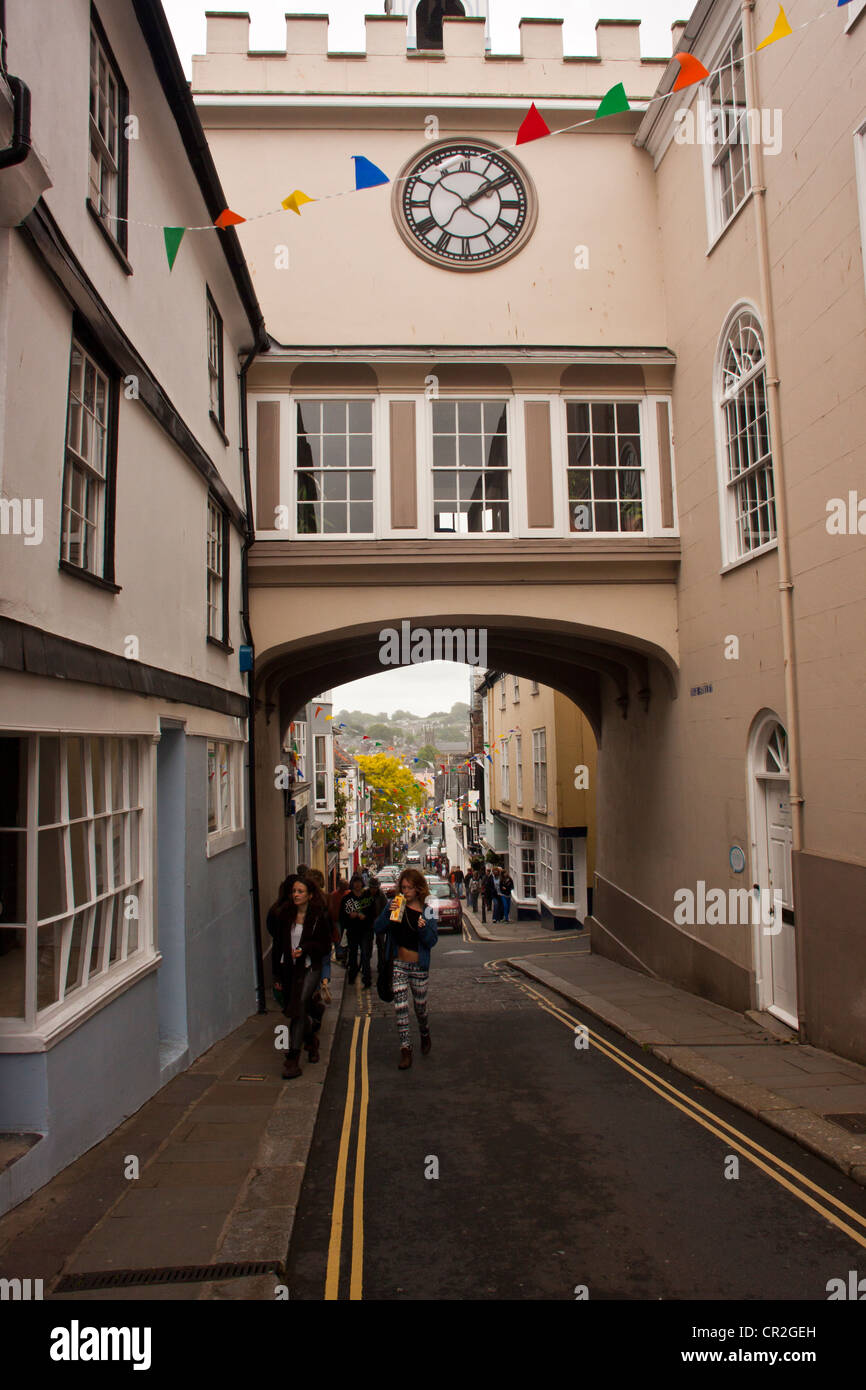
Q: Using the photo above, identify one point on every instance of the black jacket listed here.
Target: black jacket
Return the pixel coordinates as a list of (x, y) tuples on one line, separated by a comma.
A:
[(314, 945)]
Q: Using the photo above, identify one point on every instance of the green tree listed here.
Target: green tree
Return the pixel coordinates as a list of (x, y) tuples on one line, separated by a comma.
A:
[(383, 732), (394, 793), (428, 754)]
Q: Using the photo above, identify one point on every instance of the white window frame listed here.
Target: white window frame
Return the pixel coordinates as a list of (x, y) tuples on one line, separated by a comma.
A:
[(860, 168), (513, 472), (731, 557), (518, 769), (215, 562), (533, 687), (502, 692), (546, 866), (92, 468), (515, 691), (539, 761), (135, 808), (99, 148), (229, 829), (504, 772), (322, 769), (717, 223), (215, 367), (378, 452)]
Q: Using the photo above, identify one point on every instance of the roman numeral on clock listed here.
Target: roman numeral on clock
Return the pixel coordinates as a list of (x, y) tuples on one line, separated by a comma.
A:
[(426, 226)]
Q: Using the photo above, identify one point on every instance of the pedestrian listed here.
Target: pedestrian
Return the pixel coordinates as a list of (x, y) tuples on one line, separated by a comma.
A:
[(334, 901), (356, 919), (459, 880), (486, 894), (304, 939), (474, 888), (506, 888), (274, 924), (408, 942)]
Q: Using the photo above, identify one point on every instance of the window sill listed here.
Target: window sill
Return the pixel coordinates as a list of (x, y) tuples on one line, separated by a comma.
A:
[(752, 555), (89, 578), (218, 642), (730, 222), (540, 810), (219, 429), (224, 839), (113, 245), (45, 1036)]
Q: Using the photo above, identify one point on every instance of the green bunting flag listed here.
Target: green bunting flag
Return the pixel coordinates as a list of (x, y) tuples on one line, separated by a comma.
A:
[(173, 238), (613, 101)]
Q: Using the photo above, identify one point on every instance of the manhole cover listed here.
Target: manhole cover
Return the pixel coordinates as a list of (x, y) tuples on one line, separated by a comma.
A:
[(855, 1122)]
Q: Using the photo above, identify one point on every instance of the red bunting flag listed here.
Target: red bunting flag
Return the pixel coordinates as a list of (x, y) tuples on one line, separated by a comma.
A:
[(227, 218), (691, 71), (318, 711), (533, 127)]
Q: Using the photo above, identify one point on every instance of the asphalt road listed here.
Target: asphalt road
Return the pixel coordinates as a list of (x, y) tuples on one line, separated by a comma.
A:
[(560, 1169)]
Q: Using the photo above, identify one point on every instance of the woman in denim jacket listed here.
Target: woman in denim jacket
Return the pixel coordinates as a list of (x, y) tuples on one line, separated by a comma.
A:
[(408, 943)]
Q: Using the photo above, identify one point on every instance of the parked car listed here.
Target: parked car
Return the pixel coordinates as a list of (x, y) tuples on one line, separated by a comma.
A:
[(413, 857), (388, 882), (446, 908)]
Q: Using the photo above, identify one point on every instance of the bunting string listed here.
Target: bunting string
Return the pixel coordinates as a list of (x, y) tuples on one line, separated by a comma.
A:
[(533, 127)]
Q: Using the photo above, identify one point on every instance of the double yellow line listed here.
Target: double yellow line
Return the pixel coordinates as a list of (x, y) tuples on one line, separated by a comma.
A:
[(335, 1244), (733, 1138)]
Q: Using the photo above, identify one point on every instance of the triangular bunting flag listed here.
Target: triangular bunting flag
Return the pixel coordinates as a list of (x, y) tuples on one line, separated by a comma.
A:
[(367, 174), (227, 218), (533, 127), (691, 71), (173, 238), (294, 201), (780, 30), (613, 101)]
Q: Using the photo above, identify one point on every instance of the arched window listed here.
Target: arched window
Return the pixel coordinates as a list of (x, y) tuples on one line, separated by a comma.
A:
[(748, 501), (428, 20)]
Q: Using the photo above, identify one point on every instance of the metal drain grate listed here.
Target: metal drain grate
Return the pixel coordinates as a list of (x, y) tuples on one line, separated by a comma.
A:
[(854, 1122), (177, 1274)]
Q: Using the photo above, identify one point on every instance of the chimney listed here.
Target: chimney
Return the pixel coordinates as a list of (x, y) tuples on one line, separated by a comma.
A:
[(618, 38), (677, 31), (227, 32)]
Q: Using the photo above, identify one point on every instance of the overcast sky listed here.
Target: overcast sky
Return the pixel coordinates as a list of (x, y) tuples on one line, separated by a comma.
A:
[(434, 685), (346, 30)]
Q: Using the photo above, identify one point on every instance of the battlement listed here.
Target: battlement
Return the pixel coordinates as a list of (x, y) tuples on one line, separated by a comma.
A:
[(388, 67)]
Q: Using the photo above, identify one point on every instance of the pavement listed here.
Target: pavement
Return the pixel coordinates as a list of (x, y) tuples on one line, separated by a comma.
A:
[(750, 1060), (222, 1151)]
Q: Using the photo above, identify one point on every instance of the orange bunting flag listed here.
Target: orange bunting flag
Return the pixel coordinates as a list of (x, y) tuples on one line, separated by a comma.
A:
[(533, 127), (227, 218), (691, 71), (317, 712), (781, 29), (295, 200)]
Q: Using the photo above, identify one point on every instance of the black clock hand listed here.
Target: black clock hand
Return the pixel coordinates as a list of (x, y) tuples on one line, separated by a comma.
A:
[(487, 188)]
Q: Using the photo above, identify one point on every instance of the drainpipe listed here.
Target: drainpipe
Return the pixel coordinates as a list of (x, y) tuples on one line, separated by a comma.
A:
[(261, 344), (786, 584), (17, 152)]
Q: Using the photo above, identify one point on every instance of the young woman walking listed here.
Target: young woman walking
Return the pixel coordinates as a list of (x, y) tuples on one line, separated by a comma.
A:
[(408, 943), (302, 941)]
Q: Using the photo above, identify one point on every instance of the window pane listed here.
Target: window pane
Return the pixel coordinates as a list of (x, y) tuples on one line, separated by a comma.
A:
[(76, 952), (97, 770), (13, 876), (444, 417), (628, 418), (334, 451), (360, 417), (309, 417), (334, 486), (334, 516), (99, 926), (118, 851), (334, 417), (49, 780), (471, 450), (51, 868), (133, 753), (115, 923), (48, 948), (75, 765), (603, 417), (78, 842), (12, 972), (100, 845), (444, 451), (13, 782), (469, 417), (212, 784), (361, 518), (361, 487), (361, 451)]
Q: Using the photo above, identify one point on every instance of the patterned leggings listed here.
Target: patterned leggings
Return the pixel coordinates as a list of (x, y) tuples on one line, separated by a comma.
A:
[(409, 975)]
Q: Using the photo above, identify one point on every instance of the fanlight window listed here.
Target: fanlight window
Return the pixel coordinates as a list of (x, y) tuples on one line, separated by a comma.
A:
[(750, 502)]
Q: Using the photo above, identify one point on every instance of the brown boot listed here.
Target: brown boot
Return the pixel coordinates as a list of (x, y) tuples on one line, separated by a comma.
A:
[(426, 1044), (291, 1068), (313, 1048), (405, 1058)]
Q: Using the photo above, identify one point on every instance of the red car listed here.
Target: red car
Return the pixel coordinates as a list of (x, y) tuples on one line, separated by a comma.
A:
[(446, 908)]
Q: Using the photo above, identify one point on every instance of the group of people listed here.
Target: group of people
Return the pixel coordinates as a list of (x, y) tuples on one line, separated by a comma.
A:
[(494, 888), (305, 926)]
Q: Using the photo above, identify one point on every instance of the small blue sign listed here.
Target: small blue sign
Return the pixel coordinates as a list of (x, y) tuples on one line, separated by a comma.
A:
[(737, 859), (245, 657)]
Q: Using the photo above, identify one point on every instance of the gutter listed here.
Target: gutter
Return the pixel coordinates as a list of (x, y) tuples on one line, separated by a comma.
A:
[(260, 345), (786, 583)]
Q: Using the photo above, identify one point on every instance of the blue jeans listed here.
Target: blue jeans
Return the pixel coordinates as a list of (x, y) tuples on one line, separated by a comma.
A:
[(505, 905)]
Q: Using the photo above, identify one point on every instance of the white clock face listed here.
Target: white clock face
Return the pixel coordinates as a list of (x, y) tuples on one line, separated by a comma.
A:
[(464, 205)]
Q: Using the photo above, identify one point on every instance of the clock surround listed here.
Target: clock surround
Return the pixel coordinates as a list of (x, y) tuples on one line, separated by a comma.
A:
[(456, 223)]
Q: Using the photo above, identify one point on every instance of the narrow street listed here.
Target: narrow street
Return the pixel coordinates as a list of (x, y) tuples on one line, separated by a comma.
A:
[(558, 1167)]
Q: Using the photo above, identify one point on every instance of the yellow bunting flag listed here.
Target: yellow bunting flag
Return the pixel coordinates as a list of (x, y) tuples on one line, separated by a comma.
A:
[(781, 29), (294, 201)]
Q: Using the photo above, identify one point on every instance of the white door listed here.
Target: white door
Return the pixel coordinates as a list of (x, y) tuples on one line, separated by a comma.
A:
[(782, 962)]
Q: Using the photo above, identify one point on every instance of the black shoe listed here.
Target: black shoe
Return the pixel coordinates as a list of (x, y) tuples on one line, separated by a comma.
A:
[(352, 978), (368, 984)]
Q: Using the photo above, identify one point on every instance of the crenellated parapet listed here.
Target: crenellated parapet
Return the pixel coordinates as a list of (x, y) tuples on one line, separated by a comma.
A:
[(389, 66)]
